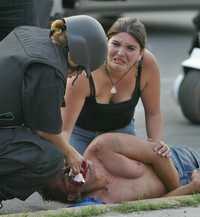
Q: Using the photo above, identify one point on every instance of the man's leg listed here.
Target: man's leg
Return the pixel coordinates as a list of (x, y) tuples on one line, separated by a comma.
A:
[(108, 148)]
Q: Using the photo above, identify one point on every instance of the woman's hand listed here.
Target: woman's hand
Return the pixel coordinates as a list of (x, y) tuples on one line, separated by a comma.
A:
[(161, 149), (74, 161)]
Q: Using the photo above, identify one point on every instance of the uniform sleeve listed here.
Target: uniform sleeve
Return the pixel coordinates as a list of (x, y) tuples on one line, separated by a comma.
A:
[(43, 94)]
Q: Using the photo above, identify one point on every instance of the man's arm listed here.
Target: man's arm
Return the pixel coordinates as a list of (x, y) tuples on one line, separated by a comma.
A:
[(107, 146), (190, 188)]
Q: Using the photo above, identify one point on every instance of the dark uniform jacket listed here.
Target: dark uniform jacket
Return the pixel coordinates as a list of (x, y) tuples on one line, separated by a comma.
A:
[(19, 51), (32, 86)]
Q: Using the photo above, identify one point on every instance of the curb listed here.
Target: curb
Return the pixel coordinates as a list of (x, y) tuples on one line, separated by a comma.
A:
[(128, 207)]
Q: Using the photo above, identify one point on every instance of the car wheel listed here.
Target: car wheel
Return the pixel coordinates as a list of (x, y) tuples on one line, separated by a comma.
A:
[(107, 21), (189, 96), (68, 3)]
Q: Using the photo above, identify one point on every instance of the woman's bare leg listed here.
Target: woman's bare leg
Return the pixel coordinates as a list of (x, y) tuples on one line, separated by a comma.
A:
[(110, 146)]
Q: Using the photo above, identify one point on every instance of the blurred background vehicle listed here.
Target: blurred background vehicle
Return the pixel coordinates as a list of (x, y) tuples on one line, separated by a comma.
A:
[(187, 83), (108, 10), (115, 6)]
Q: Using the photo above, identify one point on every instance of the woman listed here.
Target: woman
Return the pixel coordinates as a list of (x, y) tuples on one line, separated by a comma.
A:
[(107, 102), (33, 71)]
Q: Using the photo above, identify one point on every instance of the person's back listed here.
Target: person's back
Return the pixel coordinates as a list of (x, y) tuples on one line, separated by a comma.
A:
[(24, 47)]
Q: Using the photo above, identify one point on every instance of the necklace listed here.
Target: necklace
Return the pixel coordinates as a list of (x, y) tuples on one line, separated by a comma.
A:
[(113, 89)]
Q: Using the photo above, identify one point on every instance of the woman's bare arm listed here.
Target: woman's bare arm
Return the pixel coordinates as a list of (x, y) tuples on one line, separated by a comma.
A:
[(74, 100), (150, 95)]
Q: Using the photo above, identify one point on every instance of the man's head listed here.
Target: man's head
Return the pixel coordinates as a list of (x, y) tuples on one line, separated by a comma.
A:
[(61, 189), (85, 39)]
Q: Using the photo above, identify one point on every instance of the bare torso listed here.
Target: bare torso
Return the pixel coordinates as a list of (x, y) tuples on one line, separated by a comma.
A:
[(117, 189)]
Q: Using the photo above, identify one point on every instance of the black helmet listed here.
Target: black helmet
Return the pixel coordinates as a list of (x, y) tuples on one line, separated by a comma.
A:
[(87, 42)]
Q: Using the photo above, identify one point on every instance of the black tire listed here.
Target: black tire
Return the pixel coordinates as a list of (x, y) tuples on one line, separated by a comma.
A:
[(108, 20), (189, 96), (68, 3)]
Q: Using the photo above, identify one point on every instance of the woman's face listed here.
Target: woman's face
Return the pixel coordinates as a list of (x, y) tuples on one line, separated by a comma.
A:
[(123, 52)]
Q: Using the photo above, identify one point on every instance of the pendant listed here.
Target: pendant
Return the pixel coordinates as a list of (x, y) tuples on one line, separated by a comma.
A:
[(113, 90)]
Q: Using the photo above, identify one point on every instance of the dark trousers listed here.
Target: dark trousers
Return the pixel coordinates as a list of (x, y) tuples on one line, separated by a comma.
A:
[(27, 163)]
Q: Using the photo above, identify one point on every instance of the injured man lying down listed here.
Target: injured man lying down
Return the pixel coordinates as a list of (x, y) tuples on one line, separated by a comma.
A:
[(125, 168)]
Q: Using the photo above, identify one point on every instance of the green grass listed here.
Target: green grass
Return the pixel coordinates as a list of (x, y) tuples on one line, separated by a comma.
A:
[(128, 207), (84, 212)]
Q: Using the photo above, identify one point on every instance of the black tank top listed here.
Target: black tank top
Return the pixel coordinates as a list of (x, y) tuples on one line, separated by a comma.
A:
[(107, 117)]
